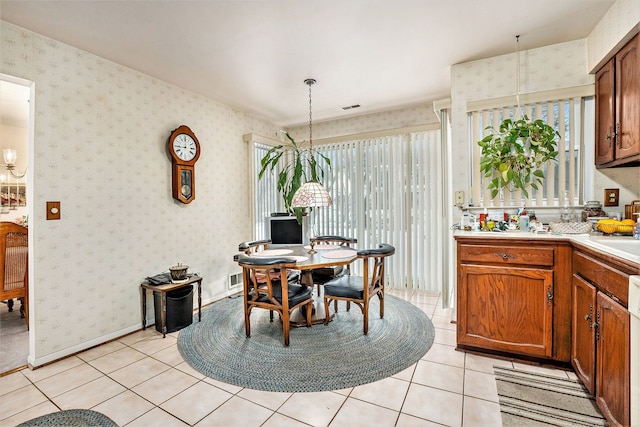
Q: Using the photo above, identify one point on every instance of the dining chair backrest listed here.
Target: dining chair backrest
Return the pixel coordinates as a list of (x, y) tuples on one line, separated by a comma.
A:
[(335, 240), (323, 275), (266, 286), (254, 246), (14, 261), (360, 289)]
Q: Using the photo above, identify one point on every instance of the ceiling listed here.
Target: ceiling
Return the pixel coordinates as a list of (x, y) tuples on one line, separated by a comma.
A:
[(255, 54)]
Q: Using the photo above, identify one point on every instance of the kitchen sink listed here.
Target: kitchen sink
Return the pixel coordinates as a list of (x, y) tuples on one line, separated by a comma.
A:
[(629, 245)]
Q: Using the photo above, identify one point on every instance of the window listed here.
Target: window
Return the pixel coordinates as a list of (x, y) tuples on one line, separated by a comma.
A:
[(567, 116), (385, 189)]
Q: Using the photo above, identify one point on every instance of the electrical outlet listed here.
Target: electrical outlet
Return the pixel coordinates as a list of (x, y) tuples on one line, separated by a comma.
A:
[(459, 197), (611, 196)]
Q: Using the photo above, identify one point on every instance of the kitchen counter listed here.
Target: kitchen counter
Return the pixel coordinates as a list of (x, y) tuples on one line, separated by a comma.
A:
[(622, 247)]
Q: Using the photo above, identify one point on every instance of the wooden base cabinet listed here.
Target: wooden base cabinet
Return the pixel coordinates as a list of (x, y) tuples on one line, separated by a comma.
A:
[(508, 309), (511, 299), (600, 335), (583, 336), (613, 388)]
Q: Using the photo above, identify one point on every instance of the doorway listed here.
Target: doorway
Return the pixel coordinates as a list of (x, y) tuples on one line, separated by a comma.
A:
[(17, 130)]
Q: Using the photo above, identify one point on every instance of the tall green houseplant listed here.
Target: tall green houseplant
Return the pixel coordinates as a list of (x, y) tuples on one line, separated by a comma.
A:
[(517, 151), (295, 169)]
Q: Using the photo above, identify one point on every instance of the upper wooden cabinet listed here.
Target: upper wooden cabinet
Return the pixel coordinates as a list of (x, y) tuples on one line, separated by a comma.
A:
[(618, 108)]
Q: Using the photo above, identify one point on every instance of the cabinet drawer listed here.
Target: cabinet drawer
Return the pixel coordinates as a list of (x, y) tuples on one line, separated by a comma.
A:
[(507, 254), (607, 279)]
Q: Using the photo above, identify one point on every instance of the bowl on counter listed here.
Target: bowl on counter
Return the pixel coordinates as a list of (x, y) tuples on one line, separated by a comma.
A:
[(571, 227)]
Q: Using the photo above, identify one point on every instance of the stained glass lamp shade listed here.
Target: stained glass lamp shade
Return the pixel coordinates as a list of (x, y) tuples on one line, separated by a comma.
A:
[(311, 194)]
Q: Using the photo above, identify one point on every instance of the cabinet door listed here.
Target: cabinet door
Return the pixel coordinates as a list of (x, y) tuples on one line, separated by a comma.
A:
[(506, 309), (612, 361), (628, 99), (605, 113), (583, 336)]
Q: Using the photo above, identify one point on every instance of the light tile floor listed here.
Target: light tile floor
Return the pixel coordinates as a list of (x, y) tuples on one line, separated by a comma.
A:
[(141, 380)]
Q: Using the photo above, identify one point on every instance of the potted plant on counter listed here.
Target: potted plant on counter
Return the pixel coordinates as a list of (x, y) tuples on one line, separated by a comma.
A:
[(517, 151), (295, 165)]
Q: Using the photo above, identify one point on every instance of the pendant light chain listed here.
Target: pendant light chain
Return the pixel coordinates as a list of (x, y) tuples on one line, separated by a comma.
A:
[(310, 82), (518, 74)]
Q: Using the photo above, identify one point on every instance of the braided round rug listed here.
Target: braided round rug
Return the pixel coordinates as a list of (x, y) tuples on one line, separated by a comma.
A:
[(71, 418), (320, 358)]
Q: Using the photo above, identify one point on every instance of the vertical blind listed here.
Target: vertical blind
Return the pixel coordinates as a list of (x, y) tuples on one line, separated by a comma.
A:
[(385, 189), (564, 115)]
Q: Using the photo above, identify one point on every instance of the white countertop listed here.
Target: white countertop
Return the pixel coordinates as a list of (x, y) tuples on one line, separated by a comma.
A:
[(624, 247)]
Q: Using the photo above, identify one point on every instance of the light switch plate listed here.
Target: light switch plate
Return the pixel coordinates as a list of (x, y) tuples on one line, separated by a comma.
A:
[(459, 197), (53, 210)]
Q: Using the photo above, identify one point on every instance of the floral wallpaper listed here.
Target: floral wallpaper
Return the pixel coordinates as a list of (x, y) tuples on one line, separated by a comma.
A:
[(99, 149), (401, 117), (619, 24)]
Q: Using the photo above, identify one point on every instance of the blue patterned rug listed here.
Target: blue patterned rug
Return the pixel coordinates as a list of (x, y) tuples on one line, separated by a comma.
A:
[(320, 358), (71, 418)]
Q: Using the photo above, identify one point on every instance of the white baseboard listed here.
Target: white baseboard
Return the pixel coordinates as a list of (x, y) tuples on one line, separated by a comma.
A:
[(39, 361), (35, 362)]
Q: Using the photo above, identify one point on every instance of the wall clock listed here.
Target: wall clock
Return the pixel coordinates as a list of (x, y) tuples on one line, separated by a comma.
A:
[(185, 151)]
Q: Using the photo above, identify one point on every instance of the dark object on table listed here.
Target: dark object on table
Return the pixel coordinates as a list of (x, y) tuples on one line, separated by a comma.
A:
[(178, 272), (159, 279)]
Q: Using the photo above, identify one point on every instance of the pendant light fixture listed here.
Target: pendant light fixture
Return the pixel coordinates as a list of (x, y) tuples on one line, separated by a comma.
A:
[(312, 193)]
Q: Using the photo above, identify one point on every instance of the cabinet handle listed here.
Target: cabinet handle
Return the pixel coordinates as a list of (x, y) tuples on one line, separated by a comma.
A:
[(505, 256), (589, 317), (610, 135), (550, 294), (617, 134), (597, 325)]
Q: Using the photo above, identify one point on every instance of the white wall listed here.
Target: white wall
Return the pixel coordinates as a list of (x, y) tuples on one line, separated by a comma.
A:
[(617, 27), (99, 149)]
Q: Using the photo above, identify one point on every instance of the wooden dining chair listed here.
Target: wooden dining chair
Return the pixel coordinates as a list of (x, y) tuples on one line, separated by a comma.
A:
[(253, 247), (14, 260), (261, 290), (323, 275), (360, 289)]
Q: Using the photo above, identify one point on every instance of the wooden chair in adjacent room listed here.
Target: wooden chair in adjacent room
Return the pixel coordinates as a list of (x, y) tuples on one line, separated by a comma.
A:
[(261, 290), (323, 275), (360, 289), (14, 260)]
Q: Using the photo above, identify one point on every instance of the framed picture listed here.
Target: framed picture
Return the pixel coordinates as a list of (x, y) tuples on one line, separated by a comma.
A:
[(14, 195)]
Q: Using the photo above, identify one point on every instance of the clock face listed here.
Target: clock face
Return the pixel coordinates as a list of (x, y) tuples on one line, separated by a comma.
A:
[(185, 147)]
